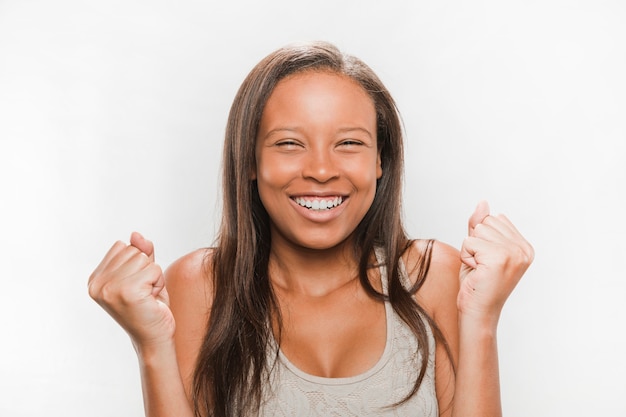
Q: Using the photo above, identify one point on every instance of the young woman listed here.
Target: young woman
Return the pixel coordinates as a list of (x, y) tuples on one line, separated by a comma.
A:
[(314, 302)]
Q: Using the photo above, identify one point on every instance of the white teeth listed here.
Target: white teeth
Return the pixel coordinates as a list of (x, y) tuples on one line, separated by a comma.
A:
[(319, 204)]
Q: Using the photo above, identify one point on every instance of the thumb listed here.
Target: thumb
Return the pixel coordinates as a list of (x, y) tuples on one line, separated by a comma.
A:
[(143, 244), (480, 213)]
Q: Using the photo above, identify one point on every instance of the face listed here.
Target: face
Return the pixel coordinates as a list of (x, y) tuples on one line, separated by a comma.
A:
[(317, 160)]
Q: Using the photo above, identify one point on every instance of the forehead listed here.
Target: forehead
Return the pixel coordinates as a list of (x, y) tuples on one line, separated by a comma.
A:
[(315, 78), (317, 93)]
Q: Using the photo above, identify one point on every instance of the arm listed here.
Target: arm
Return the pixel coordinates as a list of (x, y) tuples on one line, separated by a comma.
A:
[(467, 310), (161, 382), (494, 257), (131, 287), (167, 373)]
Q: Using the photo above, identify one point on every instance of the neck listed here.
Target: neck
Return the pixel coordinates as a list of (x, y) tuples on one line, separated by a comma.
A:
[(312, 272)]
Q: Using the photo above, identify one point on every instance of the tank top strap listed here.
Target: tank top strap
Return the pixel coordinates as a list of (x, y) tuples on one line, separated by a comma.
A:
[(381, 261), (404, 276)]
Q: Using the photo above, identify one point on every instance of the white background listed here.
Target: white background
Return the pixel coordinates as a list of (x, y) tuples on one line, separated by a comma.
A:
[(111, 120)]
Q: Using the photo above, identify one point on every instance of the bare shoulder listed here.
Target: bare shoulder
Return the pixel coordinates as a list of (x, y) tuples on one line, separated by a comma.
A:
[(191, 272), (445, 260), (441, 284), (189, 285), (438, 296)]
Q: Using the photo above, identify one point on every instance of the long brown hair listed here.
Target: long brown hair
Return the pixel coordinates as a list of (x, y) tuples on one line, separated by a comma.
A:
[(233, 365)]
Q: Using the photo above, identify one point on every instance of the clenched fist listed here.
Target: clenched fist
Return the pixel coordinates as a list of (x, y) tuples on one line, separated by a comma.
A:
[(495, 256), (130, 286)]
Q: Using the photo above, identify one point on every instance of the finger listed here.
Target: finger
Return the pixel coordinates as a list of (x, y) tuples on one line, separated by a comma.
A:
[(502, 224), (123, 256), (517, 236), (509, 232), (488, 231), (468, 259), (154, 282), (112, 252), (476, 251), (143, 244), (158, 285), (496, 229), (133, 282), (136, 262), (480, 213), (469, 250)]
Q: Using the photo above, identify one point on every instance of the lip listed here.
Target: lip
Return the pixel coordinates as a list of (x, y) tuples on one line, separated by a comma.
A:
[(314, 194)]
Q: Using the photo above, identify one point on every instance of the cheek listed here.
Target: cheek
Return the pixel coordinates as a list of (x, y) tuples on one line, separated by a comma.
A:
[(276, 172), (273, 177), (363, 170)]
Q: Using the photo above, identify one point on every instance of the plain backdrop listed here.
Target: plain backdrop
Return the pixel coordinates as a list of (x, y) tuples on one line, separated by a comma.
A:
[(112, 115)]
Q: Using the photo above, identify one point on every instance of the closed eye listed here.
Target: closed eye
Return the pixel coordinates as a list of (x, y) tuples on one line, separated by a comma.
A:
[(351, 142), (287, 143)]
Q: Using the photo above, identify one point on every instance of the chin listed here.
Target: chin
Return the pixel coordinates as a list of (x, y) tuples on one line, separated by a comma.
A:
[(323, 244)]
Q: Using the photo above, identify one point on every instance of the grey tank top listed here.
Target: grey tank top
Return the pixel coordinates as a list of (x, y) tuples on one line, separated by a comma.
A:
[(292, 392)]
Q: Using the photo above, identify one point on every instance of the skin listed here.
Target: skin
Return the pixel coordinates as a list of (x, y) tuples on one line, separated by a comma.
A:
[(317, 142)]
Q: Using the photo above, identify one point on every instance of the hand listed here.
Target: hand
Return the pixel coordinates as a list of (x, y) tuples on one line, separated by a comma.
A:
[(495, 256), (130, 286)]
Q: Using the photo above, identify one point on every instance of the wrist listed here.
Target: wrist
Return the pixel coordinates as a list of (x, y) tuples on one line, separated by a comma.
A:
[(477, 323), (155, 353)]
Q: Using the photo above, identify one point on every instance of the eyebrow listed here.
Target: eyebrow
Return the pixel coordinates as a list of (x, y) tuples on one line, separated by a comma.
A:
[(358, 129), (282, 129), (298, 130)]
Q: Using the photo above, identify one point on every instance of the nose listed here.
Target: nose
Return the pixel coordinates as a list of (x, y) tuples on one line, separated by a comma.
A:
[(320, 165)]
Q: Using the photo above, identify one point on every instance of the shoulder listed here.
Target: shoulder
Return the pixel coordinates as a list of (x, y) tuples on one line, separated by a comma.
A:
[(189, 285), (441, 284), (444, 259), (189, 282), (438, 296), (193, 268)]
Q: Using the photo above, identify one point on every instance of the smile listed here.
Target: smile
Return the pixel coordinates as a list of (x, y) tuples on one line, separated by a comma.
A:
[(319, 204)]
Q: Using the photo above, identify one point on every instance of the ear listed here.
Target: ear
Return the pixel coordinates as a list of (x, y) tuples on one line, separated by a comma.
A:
[(379, 166)]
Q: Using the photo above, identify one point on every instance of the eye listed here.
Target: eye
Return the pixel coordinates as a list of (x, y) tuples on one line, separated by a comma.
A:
[(350, 143), (287, 144)]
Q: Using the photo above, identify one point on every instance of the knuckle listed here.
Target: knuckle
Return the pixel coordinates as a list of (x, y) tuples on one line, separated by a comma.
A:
[(531, 252), (93, 277), (139, 254), (480, 229), (126, 296), (530, 257), (521, 256), (155, 269), (524, 252), (118, 244), (107, 293), (133, 250), (137, 261), (116, 294), (93, 291)]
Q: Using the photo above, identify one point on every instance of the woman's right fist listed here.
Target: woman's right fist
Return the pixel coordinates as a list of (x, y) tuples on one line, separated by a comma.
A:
[(130, 286)]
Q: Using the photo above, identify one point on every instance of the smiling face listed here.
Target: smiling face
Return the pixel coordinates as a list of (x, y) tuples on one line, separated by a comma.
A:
[(317, 160)]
